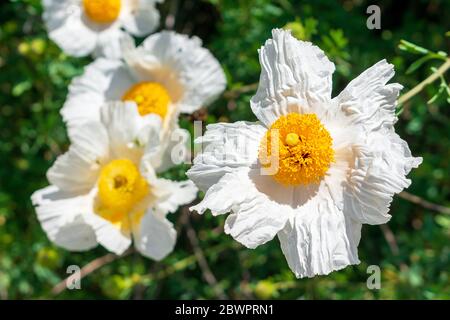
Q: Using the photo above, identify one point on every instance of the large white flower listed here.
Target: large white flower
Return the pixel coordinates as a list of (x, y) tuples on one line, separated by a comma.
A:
[(315, 168), (104, 189), (167, 74), (81, 27)]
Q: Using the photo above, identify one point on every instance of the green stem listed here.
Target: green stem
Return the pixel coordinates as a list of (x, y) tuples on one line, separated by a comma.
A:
[(433, 77)]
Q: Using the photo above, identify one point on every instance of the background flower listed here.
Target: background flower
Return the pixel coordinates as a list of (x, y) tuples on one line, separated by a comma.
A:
[(81, 27), (165, 64), (104, 189)]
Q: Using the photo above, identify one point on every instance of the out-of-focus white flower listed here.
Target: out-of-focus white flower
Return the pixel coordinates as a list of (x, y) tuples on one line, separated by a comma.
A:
[(167, 74), (81, 27), (315, 168), (104, 189)]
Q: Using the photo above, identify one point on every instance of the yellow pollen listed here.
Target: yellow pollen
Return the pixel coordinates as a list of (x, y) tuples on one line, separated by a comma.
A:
[(292, 139), (102, 11), (120, 189), (150, 97), (304, 149)]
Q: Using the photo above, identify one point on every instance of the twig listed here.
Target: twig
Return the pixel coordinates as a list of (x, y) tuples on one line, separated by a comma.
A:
[(88, 269), (390, 238), (180, 265), (411, 93), (171, 16), (234, 93), (201, 260), (424, 203)]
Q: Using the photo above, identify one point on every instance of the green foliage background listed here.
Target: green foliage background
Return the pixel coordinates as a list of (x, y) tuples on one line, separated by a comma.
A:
[(34, 75)]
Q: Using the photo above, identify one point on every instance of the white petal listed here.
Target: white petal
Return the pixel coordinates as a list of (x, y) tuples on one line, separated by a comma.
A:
[(155, 237), (319, 240), (77, 170), (108, 235), (174, 147), (102, 80), (174, 194), (128, 131), (225, 148), (379, 172), (109, 43), (256, 216), (61, 217), (193, 77), (368, 101), (295, 77), (141, 20), (65, 24)]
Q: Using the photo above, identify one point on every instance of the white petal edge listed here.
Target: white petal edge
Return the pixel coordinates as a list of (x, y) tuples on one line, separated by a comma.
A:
[(319, 240), (295, 77), (102, 80), (155, 237), (192, 75), (225, 147), (255, 218), (66, 28), (77, 170), (142, 19), (129, 133), (61, 217)]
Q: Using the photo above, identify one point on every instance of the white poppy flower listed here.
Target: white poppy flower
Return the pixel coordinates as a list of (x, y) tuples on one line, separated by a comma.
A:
[(315, 168), (104, 189), (167, 74), (81, 27)]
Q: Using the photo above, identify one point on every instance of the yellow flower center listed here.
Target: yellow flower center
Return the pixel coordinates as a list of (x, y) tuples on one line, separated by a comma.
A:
[(150, 97), (302, 147), (120, 190), (102, 11)]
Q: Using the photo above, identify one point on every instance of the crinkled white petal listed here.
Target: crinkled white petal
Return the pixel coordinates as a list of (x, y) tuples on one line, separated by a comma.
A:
[(256, 217), (382, 159), (295, 77), (368, 101), (320, 239), (191, 74), (155, 236), (102, 80), (142, 18), (225, 147), (379, 172), (61, 217), (77, 170), (67, 27), (128, 131)]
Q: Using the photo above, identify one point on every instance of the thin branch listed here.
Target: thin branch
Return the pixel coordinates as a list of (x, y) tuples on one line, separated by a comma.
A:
[(424, 203), (234, 93), (433, 77), (88, 269), (201, 260), (390, 239)]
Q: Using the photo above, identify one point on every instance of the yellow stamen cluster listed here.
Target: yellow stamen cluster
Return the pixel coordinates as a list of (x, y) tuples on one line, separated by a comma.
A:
[(151, 97), (102, 11), (302, 147), (120, 189)]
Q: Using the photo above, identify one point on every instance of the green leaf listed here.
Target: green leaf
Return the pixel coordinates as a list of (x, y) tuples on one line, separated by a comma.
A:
[(412, 48)]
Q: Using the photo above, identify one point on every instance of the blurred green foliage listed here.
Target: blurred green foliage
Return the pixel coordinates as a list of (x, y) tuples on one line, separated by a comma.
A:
[(34, 75)]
